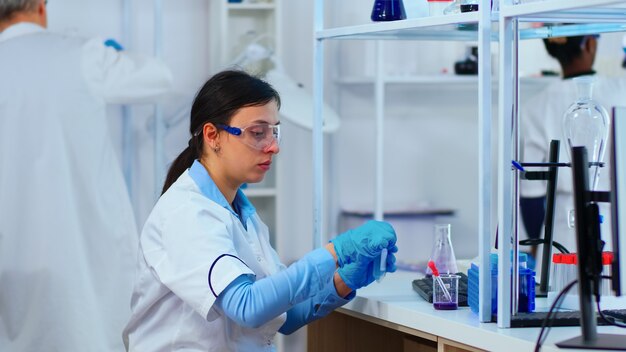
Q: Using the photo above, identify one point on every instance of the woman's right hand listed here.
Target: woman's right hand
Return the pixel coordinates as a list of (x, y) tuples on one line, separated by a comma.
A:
[(364, 243), (359, 274)]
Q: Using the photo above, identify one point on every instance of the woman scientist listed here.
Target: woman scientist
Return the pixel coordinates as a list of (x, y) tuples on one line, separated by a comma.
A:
[(208, 278)]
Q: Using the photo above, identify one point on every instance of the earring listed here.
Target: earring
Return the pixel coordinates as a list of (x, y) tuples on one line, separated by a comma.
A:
[(216, 149)]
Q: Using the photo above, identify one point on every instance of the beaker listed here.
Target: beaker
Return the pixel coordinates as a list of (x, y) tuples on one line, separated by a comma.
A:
[(446, 292), (388, 10), (443, 253)]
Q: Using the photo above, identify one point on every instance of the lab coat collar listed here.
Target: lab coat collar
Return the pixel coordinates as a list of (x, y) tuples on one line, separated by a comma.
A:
[(20, 29), (204, 181), (586, 73)]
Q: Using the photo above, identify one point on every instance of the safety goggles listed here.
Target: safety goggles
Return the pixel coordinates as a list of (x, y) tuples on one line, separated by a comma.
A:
[(258, 136)]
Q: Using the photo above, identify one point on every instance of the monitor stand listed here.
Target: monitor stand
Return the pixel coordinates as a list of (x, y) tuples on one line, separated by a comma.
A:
[(602, 342)]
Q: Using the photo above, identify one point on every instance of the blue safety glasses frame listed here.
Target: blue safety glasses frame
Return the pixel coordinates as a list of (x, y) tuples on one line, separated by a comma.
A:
[(258, 136)]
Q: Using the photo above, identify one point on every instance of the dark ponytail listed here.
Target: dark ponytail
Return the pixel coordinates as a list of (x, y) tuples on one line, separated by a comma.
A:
[(216, 102)]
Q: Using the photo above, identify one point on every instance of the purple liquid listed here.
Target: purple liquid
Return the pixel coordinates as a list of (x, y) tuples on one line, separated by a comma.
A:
[(446, 305)]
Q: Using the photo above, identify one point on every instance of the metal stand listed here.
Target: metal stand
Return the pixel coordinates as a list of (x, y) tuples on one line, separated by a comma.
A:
[(551, 176)]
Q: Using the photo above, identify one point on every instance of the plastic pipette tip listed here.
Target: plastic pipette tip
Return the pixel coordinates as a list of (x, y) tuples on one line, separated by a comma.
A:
[(432, 267)]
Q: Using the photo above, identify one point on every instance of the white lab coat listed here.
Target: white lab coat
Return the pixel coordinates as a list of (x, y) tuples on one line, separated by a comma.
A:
[(68, 239), (191, 249), (541, 121)]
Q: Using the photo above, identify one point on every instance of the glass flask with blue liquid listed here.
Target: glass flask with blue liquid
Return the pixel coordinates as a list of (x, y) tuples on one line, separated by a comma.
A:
[(388, 10)]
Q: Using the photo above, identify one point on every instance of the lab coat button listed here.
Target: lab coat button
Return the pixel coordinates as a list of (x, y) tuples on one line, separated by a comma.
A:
[(259, 258)]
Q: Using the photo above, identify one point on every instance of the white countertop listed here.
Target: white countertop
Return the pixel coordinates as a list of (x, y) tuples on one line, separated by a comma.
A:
[(394, 300)]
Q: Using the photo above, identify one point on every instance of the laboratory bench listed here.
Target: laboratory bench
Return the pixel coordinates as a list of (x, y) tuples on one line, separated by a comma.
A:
[(390, 316)]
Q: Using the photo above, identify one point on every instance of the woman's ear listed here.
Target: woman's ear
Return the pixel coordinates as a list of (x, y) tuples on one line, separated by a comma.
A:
[(591, 45), (210, 135)]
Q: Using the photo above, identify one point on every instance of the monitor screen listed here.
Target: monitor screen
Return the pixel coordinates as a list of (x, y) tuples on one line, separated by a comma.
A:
[(618, 193)]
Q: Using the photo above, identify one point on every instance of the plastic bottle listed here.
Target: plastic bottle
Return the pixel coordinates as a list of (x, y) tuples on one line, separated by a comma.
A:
[(443, 253)]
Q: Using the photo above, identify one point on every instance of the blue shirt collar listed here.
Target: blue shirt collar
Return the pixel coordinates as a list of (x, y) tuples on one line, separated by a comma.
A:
[(204, 181)]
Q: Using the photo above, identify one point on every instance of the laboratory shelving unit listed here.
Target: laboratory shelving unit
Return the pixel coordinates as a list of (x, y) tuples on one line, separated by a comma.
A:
[(234, 25), (587, 17), (582, 17), (440, 28)]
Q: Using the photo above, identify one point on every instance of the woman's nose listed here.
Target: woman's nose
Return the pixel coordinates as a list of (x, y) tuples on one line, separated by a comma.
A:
[(272, 147)]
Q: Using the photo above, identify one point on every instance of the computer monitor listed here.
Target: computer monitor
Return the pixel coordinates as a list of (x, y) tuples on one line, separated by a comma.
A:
[(618, 192), (588, 237)]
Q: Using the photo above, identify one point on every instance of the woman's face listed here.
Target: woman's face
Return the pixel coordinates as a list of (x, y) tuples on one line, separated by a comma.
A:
[(247, 157)]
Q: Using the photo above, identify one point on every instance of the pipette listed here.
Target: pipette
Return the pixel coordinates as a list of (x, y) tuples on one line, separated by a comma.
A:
[(432, 267), (380, 266)]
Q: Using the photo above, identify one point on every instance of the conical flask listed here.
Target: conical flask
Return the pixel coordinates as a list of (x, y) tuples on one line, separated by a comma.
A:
[(388, 10), (586, 123), (443, 253)]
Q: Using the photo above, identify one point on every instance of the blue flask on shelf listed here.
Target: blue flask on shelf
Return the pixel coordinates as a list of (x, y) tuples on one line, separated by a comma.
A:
[(388, 10)]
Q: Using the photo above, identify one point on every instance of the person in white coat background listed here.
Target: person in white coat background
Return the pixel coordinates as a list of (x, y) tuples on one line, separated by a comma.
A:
[(68, 238), (541, 121)]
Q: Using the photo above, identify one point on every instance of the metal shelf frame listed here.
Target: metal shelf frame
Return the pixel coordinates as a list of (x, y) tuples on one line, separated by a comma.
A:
[(560, 18), (440, 28), (583, 17)]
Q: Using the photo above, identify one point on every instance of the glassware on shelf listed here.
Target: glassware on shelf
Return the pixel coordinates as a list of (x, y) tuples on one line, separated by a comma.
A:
[(469, 5), (388, 10), (436, 7), (453, 8), (586, 123), (443, 253)]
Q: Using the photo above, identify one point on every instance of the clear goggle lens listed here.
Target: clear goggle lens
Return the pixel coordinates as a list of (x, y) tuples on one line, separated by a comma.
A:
[(259, 136)]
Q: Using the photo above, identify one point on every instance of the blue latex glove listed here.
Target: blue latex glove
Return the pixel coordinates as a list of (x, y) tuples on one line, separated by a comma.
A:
[(391, 260), (364, 243), (114, 44), (356, 275)]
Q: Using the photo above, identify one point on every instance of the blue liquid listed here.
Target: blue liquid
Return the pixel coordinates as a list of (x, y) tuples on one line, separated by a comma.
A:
[(388, 10)]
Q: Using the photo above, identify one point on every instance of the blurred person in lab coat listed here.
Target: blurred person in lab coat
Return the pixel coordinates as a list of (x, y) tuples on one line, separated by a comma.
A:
[(541, 121), (68, 239), (208, 278)]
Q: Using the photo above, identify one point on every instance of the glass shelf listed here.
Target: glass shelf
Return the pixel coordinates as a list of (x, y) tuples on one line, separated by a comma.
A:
[(447, 80), (566, 11), (571, 30), (424, 28), (251, 6)]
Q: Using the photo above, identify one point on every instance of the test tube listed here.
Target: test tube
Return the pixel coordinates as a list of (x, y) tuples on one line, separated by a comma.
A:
[(380, 266)]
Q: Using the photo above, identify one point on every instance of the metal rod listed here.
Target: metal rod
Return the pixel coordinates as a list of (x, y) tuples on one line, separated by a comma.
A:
[(546, 259), (380, 115), (318, 140), (485, 185), (159, 127), (516, 180), (127, 126)]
